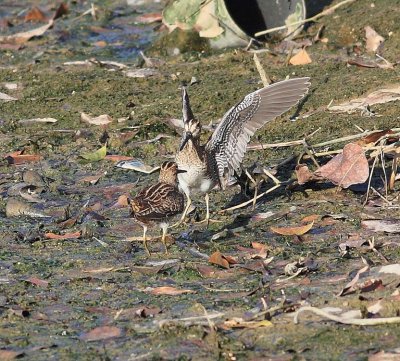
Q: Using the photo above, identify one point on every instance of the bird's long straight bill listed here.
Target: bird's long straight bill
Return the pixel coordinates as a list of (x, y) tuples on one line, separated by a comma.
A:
[(186, 138)]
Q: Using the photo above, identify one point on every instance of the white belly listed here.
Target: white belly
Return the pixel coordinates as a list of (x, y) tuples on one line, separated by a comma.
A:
[(195, 180)]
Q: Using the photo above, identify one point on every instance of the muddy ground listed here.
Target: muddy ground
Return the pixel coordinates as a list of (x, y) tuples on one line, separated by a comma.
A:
[(53, 292)]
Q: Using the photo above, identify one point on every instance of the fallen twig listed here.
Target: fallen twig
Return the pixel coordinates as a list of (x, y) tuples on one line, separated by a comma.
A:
[(263, 75), (193, 251), (347, 321), (195, 320), (244, 204)]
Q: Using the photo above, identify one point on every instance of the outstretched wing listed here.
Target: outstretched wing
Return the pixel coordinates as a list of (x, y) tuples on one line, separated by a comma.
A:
[(226, 147)]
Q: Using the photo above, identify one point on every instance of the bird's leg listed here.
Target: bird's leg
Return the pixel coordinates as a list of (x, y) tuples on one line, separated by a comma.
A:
[(207, 220), (188, 204), (207, 199), (164, 233), (145, 241)]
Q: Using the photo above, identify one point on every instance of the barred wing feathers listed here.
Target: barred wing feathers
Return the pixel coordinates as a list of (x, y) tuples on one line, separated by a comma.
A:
[(226, 147)]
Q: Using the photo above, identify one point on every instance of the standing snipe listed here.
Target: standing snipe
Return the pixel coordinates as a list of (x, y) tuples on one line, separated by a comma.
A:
[(159, 202), (216, 162)]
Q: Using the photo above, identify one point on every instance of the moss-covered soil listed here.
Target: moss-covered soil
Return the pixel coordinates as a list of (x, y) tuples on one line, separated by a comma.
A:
[(53, 292)]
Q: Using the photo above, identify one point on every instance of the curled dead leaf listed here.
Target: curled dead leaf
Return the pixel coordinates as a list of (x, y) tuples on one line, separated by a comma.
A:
[(149, 18), (37, 282), (35, 14), (61, 10), (23, 37), (379, 96), (304, 175), (292, 231), (7, 355), (101, 333), (168, 290), (219, 259), (74, 235), (117, 158), (374, 137), (103, 119)]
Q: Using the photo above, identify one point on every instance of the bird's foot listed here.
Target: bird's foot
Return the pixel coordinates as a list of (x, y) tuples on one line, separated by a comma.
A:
[(177, 224), (207, 221)]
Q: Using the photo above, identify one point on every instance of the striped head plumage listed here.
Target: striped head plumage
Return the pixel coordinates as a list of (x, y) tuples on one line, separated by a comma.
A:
[(169, 173)]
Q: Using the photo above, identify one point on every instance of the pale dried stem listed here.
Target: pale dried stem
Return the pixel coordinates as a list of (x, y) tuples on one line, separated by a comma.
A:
[(191, 320), (369, 180), (347, 321), (244, 204), (263, 75)]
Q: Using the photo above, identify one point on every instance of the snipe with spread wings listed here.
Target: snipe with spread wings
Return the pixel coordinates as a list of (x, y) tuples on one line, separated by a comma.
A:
[(215, 162)]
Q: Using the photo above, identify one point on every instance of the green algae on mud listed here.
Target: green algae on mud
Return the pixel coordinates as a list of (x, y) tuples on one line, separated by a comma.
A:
[(77, 301)]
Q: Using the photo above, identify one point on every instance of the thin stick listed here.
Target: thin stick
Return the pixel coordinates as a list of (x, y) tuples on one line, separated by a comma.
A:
[(318, 145), (263, 75), (351, 137), (191, 320), (369, 180), (193, 251), (244, 204), (347, 321), (384, 167), (271, 176), (301, 22)]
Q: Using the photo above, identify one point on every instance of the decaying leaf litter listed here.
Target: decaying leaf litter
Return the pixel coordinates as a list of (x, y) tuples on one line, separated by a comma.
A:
[(72, 287)]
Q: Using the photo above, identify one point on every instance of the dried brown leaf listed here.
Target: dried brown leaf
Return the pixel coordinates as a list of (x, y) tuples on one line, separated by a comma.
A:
[(101, 333), (23, 37), (304, 175), (92, 179), (51, 235), (351, 286), (301, 58), (292, 231), (35, 14), (117, 158), (374, 137), (348, 168), (219, 259), (211, 272), (149, 18), (37, 282), (168, 290), (19, 158), (61, 10), (7, 355), (311, 218)]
